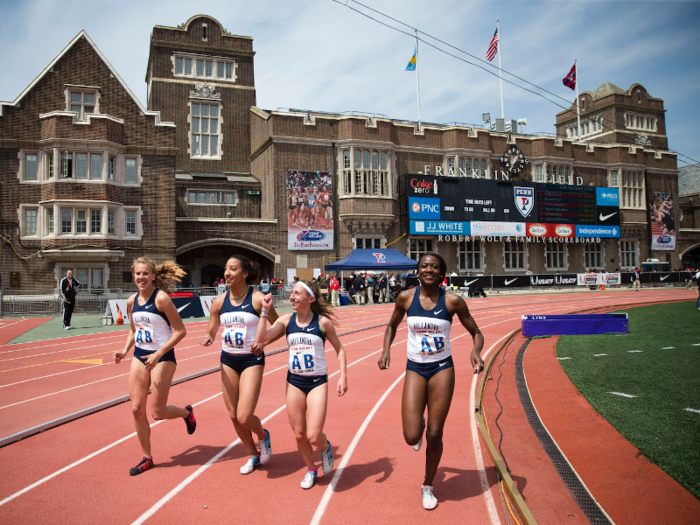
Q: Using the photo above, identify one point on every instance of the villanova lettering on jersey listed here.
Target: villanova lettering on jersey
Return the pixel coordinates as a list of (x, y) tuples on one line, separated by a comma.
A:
[(428, 331)]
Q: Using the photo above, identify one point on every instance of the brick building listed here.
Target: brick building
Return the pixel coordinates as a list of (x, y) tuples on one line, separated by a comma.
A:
[(92, 178)]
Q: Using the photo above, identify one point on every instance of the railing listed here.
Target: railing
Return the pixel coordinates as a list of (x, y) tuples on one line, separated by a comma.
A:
[(48, 303)]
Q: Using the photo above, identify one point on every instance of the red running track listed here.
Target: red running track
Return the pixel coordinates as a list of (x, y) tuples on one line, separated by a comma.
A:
[(78, 472)]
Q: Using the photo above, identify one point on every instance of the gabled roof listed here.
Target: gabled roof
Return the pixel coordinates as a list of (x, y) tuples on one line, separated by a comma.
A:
[(608, 88), (83, 34)]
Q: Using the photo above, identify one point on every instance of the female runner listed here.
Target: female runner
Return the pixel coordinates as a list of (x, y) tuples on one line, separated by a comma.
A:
[(307, 383), (430, 376), (242, 359), (156, 328)]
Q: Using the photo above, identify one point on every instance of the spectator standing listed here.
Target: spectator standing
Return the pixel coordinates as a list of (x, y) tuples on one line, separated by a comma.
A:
[(371, 285), (383, 283), (359, 286), (392, 280), (334, 286), (68, 288), (637, 280)]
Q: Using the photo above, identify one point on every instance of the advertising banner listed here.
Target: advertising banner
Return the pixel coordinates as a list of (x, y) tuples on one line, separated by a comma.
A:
[(439, 228), (663, 225), (309, 210), (598, 231), (540, 229), (503, 229), (597, 279)]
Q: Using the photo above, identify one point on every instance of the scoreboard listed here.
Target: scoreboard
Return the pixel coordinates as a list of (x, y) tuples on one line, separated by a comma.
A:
[(448, 205)]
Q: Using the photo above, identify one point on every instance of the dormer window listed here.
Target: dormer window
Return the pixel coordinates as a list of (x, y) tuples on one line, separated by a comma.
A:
[(82, 100)]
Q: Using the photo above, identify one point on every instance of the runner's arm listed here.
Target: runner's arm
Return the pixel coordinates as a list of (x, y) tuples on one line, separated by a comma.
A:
[(118, 356), (214, 321)]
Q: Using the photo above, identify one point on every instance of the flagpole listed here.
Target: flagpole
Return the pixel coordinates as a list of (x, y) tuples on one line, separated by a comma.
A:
[(500, 71), (418, 81), (578, 113)]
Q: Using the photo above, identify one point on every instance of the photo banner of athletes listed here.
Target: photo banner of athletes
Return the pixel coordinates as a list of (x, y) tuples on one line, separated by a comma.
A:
[(309, 210), (663, 225)]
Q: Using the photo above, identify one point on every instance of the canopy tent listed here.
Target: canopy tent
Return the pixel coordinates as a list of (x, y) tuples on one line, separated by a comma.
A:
[(377, 260)]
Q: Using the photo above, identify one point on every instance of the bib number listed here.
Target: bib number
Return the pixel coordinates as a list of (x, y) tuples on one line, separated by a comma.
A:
[(432, 345), (302, 359), (234, 337), (144, 334)]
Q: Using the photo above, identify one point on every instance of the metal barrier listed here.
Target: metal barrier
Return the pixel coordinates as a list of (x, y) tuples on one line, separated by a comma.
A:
[(48, 303)]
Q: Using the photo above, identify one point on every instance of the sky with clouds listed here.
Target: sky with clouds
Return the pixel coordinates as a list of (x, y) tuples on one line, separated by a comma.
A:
[(321, 55)]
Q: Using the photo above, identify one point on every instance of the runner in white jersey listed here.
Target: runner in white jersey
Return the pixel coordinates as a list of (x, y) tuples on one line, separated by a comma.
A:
[(430, 373), (242, 359), (156, 328), (307, 382)]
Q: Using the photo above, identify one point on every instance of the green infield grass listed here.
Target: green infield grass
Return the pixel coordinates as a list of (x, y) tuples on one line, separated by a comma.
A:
[(665, 381)]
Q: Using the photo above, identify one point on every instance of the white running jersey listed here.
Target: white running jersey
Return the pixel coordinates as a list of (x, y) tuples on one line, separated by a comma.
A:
[(152, 326), (428, 331), (307, 348), (240, 324)]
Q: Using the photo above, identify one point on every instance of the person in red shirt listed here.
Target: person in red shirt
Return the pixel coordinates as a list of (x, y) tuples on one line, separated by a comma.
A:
[(334, 286)]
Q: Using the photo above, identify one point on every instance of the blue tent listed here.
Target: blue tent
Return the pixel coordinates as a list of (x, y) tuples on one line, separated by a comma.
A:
[(378, 260)]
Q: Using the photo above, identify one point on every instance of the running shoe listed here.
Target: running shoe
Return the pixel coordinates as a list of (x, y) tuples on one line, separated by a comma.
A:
[(429, 499), (327, 459), (250, 465), (417, 446), (265, 448), (145, 464), (190, 421), (309, 479)]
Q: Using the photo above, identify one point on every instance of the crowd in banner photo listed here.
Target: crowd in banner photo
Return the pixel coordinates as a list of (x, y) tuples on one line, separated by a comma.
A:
[(310, 210)]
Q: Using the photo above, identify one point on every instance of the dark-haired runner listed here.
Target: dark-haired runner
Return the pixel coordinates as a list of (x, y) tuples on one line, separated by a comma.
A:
[(242, 359), (156, 328), (307, 382), (430, 376)]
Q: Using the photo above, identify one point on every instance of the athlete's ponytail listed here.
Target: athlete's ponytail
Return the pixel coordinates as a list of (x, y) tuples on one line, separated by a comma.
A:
[(166, 275), (320, 306)]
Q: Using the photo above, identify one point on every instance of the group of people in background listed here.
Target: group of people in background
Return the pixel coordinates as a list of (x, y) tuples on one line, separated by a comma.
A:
[(244, 313)]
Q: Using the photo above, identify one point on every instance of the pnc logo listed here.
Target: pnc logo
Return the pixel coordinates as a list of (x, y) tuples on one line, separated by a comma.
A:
[(416, 207), (537, 230), (564, 230)]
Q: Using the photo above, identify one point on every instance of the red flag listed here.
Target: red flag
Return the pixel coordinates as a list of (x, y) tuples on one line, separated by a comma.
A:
[(570, 79), (493, 47)]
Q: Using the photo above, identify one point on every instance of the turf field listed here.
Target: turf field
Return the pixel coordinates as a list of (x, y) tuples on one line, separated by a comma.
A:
[(659, 364)]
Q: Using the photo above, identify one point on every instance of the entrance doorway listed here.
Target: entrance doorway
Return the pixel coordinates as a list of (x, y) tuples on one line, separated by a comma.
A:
[(211, 274)]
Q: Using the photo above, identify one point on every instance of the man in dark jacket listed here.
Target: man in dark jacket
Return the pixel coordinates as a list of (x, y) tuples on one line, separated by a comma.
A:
[(68, 288), (383, 284), (359, 286)]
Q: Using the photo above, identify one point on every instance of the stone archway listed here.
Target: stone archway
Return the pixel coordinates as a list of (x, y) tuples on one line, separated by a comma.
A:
[(691, 257), (203, 259)]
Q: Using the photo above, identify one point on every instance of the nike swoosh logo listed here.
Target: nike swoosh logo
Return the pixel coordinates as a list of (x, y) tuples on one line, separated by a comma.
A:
[(317, 380), (664, 278), (511, 281), (442, 364), (470, 282), (183, 307), (309, 329), (245, 305), (440, 310), (260, 357), (606, 217), (148, 306)]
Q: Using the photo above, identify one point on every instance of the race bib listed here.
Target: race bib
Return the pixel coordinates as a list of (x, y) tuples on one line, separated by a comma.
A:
[(144, 333), (432, 344), (302, 359), (234, 336)]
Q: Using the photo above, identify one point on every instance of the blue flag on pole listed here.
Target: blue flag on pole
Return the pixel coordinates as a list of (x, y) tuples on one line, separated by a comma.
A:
[(412, 63)]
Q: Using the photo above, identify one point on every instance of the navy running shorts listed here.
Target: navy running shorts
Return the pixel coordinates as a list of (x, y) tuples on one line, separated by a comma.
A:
[(239, 362), (306, 383), (428, 370), (142, 355)]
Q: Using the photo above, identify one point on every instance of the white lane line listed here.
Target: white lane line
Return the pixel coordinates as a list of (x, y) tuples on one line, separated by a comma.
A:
[(621, 394), (563, 358), (634, 351), (348, 454), (695, 344), (668, 348), (478, 455), (83, 460), (5, 325), (598, 355), (695, 410)]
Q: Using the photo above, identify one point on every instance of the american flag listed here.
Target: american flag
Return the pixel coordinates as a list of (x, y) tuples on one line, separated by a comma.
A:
[(570, 79), (493, 47)]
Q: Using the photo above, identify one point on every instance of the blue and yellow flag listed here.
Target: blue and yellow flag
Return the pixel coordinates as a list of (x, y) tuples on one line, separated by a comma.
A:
[(412, 63)]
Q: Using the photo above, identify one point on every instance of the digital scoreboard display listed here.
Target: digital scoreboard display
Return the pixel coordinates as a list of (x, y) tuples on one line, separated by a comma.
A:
[(463, 205)]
